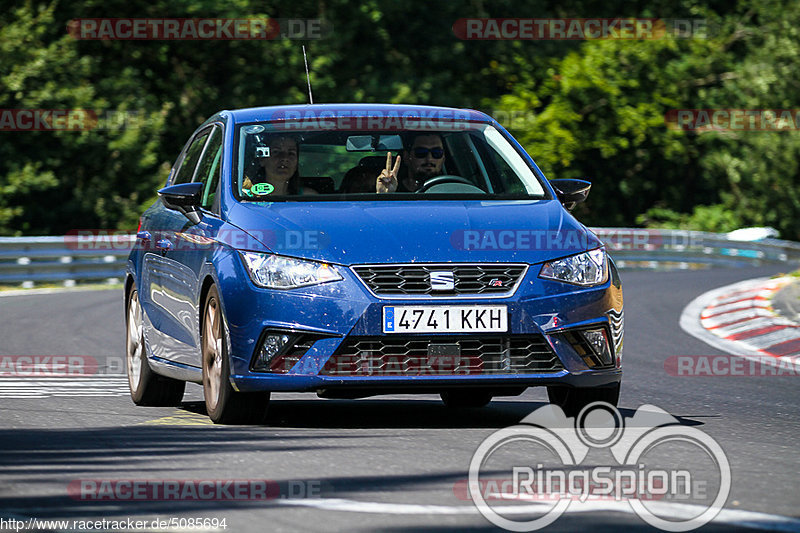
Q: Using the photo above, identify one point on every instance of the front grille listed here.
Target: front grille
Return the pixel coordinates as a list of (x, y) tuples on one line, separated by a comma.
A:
[(438, 356), (414, 279)]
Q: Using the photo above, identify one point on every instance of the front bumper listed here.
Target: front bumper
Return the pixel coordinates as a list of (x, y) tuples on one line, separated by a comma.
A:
[(344, 310)]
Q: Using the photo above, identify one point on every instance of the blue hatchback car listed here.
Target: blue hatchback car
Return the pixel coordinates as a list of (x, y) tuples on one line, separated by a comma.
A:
[(355, 250)]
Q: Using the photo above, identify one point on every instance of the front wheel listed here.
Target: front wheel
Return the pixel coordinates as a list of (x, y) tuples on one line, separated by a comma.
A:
[(147, 387), (572, 399), (224, 405)]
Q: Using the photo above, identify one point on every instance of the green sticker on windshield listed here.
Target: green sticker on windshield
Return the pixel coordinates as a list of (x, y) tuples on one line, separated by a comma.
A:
[(262, 188)]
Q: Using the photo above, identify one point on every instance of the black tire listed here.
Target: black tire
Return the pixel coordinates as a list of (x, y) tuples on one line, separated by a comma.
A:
[(466, 398), (223, 404), (147, 387), (573, 399)]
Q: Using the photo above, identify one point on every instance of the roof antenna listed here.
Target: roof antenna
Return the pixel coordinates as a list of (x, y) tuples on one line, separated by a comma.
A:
[(308, 76)]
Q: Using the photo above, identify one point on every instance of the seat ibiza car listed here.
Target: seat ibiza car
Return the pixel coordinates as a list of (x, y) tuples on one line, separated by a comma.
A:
[(355, 250)]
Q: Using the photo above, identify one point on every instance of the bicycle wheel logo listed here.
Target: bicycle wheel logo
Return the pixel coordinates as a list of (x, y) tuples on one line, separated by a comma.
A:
[(655, 462)]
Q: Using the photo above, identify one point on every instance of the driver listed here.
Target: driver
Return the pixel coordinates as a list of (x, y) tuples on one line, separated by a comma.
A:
[(424, 157)]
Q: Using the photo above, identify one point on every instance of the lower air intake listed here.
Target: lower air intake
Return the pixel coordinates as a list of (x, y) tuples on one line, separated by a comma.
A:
[(442, 356)]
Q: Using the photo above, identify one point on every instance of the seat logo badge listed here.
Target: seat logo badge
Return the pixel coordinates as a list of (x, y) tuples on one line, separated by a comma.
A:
[(496, 283), (442, 281)]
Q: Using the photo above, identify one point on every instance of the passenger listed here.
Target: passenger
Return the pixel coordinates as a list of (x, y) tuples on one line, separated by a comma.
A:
[(424, 160), (276, 165), (358, 180)]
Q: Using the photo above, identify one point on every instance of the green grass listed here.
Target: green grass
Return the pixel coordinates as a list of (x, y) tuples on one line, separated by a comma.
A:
[(795, 274)]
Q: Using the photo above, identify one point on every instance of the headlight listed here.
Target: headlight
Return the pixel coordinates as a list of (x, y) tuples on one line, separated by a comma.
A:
[(277, 272), (585, 269)]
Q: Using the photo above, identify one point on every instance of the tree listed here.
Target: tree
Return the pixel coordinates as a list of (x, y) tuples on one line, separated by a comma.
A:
[(600, 113)]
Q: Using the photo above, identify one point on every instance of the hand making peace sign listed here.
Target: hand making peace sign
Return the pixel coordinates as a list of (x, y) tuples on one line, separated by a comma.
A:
[(387, 181)]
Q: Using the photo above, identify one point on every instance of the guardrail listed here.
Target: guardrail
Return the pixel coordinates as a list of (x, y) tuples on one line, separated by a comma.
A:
[(683, 249), (68, 260), (100, 257)]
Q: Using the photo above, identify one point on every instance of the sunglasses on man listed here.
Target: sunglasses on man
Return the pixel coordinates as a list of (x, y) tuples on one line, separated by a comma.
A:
[(422, 153)]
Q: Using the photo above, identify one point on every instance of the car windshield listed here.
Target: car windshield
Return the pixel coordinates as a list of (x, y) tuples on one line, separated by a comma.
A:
[(290, 161)]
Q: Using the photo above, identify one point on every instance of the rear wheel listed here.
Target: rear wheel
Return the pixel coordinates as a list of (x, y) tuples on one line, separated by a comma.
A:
[(466, 398), (573, 399), (224, 405), (147, 387)]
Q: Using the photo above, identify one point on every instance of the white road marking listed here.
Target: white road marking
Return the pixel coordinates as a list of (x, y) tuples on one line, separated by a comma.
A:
[(726, 308), (750, 312), (734, 517), (83, 386), (769, 339), (739, 296), (747, 325)]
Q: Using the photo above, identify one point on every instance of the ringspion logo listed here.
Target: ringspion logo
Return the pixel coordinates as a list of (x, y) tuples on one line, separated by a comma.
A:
[(561, 462)]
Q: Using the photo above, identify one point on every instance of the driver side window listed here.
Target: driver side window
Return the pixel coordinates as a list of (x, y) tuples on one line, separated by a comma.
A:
[(210, 168), (189, 162)]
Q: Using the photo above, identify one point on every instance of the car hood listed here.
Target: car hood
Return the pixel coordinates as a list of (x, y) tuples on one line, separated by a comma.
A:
[(529, 231)]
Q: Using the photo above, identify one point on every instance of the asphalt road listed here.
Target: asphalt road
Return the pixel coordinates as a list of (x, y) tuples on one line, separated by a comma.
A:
[(362, 465)]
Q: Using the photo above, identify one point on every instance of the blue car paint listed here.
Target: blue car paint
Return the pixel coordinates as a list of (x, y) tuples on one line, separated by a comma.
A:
[(382, 231), (351, 233)]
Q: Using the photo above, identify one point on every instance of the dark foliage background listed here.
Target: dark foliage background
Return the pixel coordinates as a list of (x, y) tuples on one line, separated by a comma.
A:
[(590, 108)]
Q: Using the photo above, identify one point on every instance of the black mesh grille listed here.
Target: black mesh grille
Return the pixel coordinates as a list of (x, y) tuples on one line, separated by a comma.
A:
[(486, 279), (404, 356)]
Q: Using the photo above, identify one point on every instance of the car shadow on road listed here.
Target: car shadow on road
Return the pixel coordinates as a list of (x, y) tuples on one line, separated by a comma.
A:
[(416, 413), (59, 459), (371, 413)]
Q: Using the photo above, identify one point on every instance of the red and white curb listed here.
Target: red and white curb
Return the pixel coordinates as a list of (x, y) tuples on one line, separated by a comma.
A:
[(739, 319)]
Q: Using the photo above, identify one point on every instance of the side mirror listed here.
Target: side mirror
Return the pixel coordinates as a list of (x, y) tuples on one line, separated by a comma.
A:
[(184, 197), (571, 192)]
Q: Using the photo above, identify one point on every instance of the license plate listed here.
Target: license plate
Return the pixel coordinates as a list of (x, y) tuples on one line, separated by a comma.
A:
[(445, 319)]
